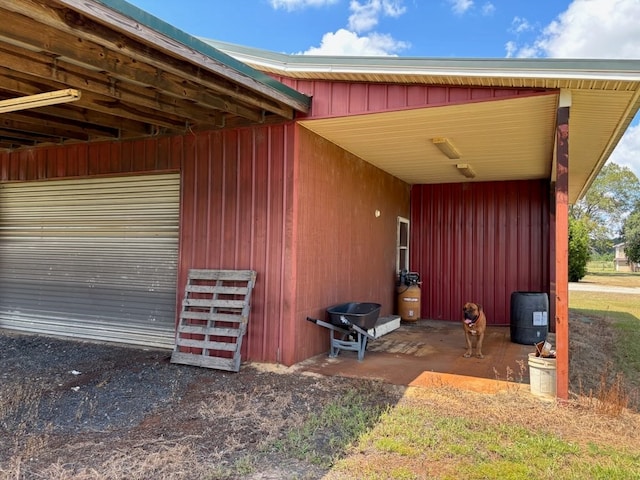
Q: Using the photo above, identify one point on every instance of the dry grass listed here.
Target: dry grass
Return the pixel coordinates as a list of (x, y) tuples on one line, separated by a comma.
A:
[(605, 348), (155, 460)]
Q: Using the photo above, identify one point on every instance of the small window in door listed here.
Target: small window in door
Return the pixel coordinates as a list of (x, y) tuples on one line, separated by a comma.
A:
[(402, 252)]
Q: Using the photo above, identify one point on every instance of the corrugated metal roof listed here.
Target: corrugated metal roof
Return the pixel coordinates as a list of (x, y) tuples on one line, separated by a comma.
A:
[(495, 72)]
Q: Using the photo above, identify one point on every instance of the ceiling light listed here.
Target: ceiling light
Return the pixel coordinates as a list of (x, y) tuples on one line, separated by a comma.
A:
[(39, 100), (446, 147), (466, 170)]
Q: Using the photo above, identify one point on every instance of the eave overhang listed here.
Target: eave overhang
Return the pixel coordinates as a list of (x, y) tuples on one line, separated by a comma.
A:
[(605, 98)]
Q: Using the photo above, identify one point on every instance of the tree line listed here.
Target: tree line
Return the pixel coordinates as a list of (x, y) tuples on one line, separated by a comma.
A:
[(607, 215)]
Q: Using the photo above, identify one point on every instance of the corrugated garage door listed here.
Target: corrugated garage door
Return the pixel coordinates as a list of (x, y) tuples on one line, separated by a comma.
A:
[(91, 258)]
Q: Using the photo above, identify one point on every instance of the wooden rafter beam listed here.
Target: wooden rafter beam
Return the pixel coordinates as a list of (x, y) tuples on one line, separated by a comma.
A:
[(191, 101), (89, 44), (18, 83), (24, 102), (40, 127)]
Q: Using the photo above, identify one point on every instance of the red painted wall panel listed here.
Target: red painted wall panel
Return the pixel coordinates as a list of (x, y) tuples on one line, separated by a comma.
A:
[(479, 242), (334, 99), (92, 159), (235, 209), (343, 251)]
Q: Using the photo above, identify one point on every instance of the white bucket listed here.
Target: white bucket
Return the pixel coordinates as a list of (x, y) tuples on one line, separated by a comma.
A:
[(542, 376)]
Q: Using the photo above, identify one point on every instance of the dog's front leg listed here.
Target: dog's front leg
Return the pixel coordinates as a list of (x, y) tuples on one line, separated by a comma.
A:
[(479, 345), (467, 337)]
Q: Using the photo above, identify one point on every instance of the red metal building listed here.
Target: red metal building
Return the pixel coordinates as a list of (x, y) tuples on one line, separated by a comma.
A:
[(183, 154)]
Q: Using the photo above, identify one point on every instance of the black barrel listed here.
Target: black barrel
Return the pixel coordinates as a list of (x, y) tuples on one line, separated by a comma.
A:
[(529, 317)]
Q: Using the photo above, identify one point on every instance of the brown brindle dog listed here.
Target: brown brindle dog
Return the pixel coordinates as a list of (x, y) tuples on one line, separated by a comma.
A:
[(474, 323)]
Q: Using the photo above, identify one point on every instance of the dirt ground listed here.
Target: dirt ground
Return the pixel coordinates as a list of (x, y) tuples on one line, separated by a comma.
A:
[(79, 410), (85, 410)]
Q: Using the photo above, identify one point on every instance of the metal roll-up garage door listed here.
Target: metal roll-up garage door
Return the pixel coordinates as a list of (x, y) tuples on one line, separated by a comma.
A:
[(92, 258)]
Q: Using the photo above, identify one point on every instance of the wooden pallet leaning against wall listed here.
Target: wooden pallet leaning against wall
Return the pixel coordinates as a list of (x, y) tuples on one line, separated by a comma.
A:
[(214, 318)]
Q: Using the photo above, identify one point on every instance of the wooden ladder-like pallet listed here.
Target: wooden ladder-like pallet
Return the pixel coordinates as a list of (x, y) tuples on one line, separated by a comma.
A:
[(214, 318)]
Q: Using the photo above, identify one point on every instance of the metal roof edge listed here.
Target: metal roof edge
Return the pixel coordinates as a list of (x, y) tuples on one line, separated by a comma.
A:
[(595, 69), (270, 85)]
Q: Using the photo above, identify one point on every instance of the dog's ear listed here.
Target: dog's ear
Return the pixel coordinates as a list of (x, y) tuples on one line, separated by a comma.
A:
[(479, 307)]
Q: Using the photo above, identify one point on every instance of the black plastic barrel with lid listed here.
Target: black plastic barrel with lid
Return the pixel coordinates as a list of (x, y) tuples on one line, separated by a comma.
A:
[(529, 317)]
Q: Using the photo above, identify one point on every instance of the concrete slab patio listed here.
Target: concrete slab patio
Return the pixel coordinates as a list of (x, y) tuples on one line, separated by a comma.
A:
[(431, 352)]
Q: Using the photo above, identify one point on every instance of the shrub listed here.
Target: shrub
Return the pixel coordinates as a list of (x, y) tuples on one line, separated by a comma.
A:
[(578, 249)]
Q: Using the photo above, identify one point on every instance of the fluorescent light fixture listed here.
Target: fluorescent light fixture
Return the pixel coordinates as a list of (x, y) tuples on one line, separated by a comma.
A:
[(39, 100), (466, 170), (446, 147)]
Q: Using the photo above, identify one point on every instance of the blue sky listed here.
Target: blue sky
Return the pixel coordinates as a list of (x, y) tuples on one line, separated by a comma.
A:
[(422, 28)]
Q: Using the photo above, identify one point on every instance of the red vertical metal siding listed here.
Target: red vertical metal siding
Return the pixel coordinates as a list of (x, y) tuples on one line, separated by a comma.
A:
[(343, 251), (334, 99), (92, 159), (479, 242), (234, 212)]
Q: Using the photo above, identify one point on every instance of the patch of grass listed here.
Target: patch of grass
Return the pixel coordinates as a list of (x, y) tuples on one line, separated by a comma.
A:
[(442, 434), (599, 266), (336, 426), (612, 278)]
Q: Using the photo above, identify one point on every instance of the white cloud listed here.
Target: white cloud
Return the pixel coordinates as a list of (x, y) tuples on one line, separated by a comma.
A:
[(511, 48), (365, 16), (345, 42), (607, 29), (291, 5), (590, 29), (627, 153), (520, 25), (488, 9), (461, 6), (595, 29)]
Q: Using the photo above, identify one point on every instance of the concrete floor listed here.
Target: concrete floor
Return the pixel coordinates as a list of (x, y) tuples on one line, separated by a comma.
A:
[(428, 352)]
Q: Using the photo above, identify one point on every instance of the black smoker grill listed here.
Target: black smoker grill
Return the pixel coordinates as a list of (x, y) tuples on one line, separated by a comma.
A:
[(352, 321)]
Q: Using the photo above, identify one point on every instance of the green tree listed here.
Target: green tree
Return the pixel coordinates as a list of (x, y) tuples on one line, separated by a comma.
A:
[(632, 236), (611, 198), (578, 249)]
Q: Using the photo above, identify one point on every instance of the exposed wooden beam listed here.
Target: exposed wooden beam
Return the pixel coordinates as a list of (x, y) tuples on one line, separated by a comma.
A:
[(27, 139), (50, 118), (39, 100), (94, 46), (183, 98), (132, 84), (99, 12), (20, 83), (41, 127)]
